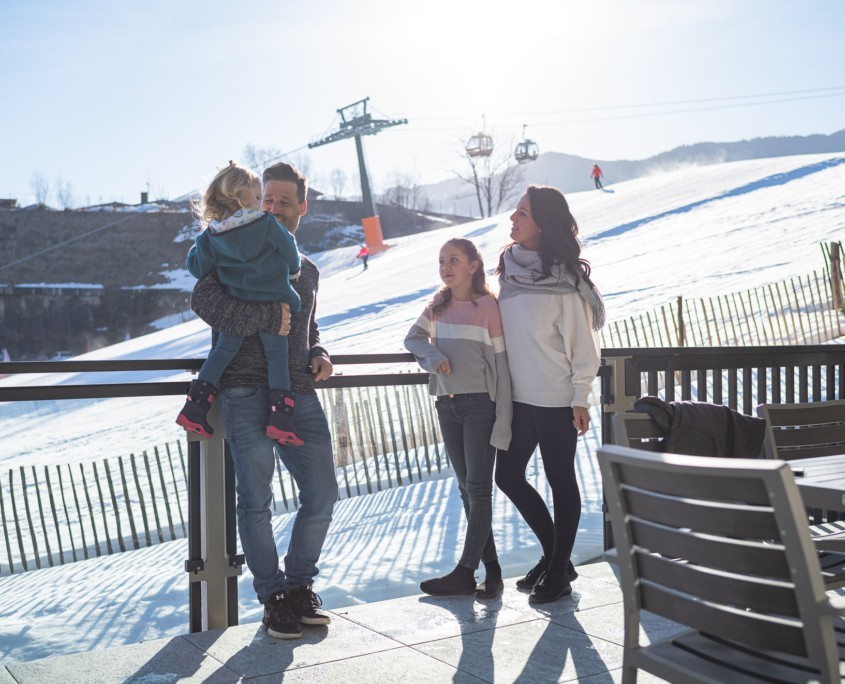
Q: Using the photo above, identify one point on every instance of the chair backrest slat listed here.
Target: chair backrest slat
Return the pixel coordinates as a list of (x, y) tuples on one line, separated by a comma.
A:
[(707, 516), (733, 555), (761, 631), (713, 585)]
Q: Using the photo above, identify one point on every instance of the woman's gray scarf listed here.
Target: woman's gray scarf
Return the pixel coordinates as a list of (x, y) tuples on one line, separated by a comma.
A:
[(522, 274)]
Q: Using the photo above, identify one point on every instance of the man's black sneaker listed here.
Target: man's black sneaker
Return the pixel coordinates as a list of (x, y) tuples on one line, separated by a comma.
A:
[(550, 587), (530, 579), (306, 606), (278, 619), (571, 573)]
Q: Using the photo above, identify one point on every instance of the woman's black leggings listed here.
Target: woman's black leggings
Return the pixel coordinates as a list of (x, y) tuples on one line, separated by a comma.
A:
[(552, 429)]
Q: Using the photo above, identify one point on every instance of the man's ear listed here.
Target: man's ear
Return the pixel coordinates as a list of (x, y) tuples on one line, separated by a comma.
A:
[(303, 208)]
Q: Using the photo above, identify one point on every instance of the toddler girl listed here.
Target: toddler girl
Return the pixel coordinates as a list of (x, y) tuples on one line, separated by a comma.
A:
[(255, 258)]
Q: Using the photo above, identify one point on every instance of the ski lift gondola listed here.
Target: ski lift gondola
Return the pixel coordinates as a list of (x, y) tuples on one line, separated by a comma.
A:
[(480, 144), (527, 150)]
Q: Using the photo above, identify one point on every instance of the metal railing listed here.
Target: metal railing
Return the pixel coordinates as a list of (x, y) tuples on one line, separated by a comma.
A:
[(213, 563), (738, 377)]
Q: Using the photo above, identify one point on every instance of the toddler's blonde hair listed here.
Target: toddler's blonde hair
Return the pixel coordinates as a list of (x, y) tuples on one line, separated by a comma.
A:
[(224, 194)]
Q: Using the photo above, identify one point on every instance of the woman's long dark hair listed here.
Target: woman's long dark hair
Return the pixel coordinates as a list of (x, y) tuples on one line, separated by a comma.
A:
[(479, 279), (559, 243)]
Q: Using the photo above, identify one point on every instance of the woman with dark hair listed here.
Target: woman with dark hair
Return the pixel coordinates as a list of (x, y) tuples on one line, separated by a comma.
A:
[(551, 313)]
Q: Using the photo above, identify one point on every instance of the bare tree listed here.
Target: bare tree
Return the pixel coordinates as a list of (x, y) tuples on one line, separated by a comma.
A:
[(405, 191), (496, 178), (258, 158), (40, 187), (64, 193), (338, 179)]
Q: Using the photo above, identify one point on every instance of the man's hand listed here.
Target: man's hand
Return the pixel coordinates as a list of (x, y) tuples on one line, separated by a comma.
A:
[(321, 367), (444, 368), (581, 419), (284, 328)]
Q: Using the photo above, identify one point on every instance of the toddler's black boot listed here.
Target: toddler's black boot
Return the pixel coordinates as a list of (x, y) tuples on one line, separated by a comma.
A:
[(281, 425), (193, 416)]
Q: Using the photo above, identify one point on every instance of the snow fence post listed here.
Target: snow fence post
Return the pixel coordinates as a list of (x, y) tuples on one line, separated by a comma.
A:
[(214, 565)]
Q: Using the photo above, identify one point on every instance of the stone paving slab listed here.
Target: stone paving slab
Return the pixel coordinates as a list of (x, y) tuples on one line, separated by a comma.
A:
[(162, 660), (401, 666), (247, 650), (412, 639), (535, 651)]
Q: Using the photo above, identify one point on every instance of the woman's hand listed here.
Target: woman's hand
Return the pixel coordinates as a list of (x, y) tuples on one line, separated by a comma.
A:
[(444, 368), (581, 419)]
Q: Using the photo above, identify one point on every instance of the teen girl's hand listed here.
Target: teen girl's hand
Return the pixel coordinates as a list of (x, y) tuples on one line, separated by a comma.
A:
[(581, 419), (444, 368)]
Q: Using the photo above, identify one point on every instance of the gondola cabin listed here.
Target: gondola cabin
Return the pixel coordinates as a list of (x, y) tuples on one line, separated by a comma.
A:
[(480, 145)]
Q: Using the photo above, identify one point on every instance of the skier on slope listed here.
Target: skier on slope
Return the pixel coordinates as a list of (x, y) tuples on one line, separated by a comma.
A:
[(596, 175)]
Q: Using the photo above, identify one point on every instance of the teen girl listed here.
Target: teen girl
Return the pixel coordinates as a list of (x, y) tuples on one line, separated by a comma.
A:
[(458, 339), (255, 257)]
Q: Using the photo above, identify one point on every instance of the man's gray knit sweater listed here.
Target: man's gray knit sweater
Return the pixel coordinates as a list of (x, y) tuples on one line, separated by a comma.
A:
[(238, 317)]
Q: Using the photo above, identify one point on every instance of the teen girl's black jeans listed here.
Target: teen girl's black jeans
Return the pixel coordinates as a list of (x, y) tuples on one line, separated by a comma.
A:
[(466, 421)]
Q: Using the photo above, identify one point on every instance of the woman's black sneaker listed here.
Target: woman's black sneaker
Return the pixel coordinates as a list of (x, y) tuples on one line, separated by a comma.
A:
[(279, 620), (527, 583), (460, 581), (550, 587)]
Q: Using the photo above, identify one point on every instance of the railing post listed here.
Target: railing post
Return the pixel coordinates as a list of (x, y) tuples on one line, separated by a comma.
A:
[(213, 565), (613, 400), (613, 395)]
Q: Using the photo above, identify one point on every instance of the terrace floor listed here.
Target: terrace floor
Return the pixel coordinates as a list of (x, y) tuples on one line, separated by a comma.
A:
[(411, 639)]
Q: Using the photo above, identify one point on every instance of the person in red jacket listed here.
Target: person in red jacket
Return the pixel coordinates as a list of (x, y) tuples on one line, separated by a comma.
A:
[(364, 254), (596, 175)]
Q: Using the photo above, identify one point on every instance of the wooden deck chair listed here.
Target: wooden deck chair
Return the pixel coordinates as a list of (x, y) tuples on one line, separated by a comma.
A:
[(639, 431), (803, 430), (636, 430), (720, 546)]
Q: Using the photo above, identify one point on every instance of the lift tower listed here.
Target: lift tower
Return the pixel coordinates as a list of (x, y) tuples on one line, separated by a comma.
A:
[(356, 121)]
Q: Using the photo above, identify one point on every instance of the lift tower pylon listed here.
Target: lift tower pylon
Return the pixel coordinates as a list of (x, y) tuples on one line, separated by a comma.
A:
[(355, 122)]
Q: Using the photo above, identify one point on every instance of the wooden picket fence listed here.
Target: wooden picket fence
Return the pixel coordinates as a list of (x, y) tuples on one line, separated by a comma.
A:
[(802, 310), (58, 514), (383, 437)]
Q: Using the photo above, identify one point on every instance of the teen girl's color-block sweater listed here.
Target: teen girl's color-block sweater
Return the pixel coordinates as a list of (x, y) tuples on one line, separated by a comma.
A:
[(469, 335)]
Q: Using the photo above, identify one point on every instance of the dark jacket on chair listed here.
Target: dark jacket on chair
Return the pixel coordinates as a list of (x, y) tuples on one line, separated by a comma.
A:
[(701, 429)]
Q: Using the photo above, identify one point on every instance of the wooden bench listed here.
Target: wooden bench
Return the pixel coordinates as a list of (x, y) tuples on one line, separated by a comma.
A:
[(720, 546)]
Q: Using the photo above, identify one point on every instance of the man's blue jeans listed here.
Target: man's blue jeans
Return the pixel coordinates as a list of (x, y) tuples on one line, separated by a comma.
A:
[(246, 411)]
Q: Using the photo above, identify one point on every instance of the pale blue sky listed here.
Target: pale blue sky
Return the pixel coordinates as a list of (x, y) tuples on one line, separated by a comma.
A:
[(111, 96)]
